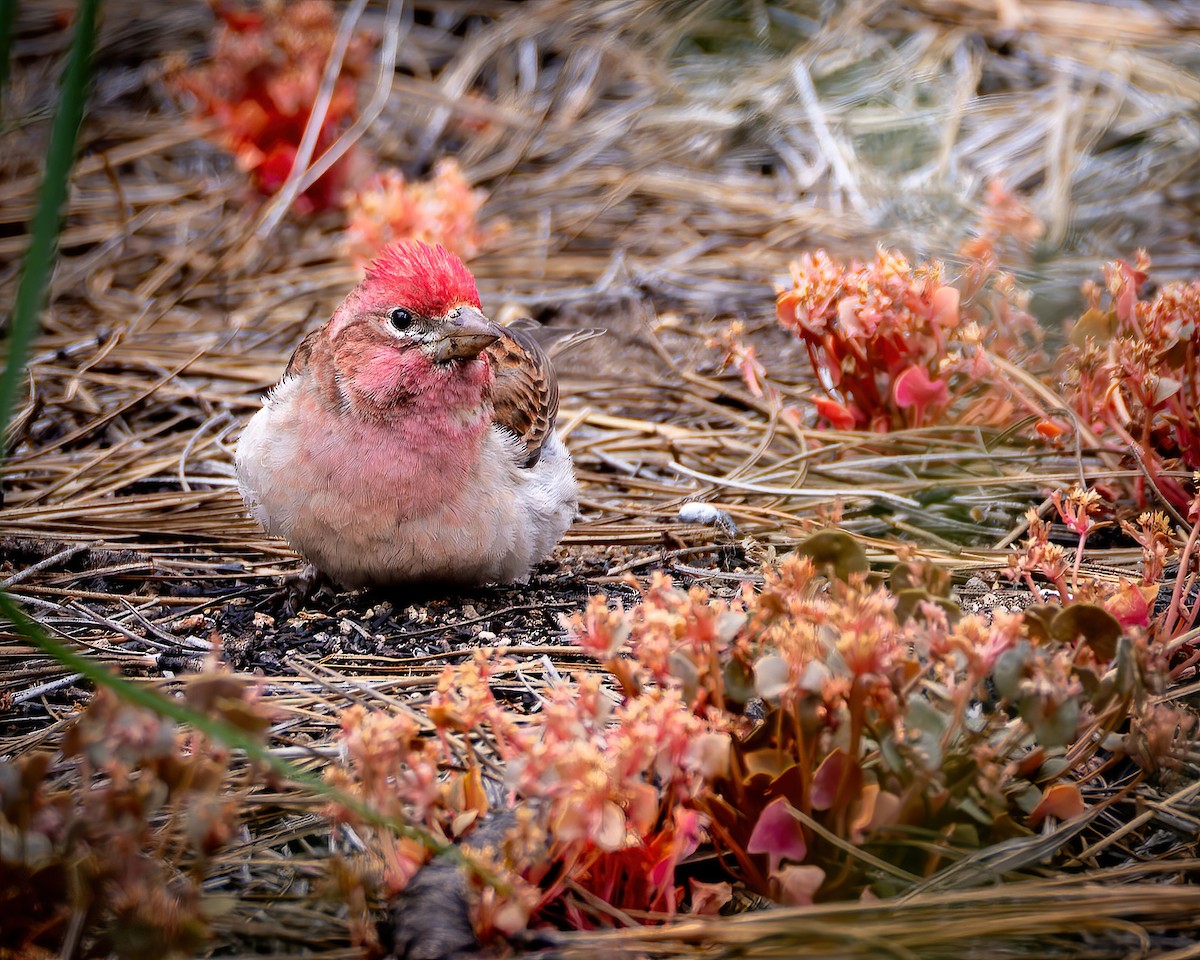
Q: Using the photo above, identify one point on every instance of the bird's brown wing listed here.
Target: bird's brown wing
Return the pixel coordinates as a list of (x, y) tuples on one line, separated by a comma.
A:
[(302, 355), (526, 390), (313, 358)]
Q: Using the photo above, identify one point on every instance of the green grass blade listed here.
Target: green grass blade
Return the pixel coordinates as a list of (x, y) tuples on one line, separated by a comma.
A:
[(39, 259), (8, 19)]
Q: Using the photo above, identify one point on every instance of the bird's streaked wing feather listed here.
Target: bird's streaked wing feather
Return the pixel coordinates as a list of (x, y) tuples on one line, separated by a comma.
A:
[(526, 390)]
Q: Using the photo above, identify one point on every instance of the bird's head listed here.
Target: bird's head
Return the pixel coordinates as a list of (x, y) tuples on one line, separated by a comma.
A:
[(412, 326)]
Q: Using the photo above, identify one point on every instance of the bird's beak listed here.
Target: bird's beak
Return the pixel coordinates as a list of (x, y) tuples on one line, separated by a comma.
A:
[(464, 336)]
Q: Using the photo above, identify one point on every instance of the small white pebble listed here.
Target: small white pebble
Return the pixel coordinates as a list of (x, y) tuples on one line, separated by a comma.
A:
[(696, 511), (485, 635)]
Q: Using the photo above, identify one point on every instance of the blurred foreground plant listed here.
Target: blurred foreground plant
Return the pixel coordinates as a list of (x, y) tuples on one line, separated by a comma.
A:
[(104, 844)]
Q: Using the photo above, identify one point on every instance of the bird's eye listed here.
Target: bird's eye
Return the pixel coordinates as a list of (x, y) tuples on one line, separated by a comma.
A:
[(400, 318)]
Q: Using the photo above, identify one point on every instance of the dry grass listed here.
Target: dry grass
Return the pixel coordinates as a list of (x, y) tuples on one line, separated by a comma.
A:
[(657, 164)]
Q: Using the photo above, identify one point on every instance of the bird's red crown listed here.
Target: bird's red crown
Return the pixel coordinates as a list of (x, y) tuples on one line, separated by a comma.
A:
[(426, 278)]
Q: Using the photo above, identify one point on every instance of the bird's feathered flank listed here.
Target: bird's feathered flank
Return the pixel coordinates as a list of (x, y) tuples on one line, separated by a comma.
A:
[(425, 278)]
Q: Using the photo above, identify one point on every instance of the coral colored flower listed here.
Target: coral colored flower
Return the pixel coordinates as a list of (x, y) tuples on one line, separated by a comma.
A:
[(442, 209)]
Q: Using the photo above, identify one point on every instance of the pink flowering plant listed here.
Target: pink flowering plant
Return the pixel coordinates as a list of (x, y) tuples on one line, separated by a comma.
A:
[(1132, 373), (747, 744), (893, 346), (106, 841)]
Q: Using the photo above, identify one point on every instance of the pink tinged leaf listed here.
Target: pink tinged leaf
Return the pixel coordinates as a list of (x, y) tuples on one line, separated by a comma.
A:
[(829, 779), (771, 677), (708, 754), (887, 811), (798, 884), (611, 835), (709, 898), (1165, 387), (1063, 800), (839, 416), (1130, 604), (778, 833), (943, 306), (914, 388)]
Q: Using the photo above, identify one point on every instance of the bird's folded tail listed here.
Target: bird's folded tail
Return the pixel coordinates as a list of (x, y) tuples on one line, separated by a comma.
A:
[(555, 341)]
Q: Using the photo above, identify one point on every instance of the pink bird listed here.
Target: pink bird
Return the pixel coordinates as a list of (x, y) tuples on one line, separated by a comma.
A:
[(411, 439)]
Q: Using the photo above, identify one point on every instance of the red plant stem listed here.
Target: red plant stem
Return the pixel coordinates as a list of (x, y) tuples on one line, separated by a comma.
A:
[(1178, 672), (1075, 566), (1060, 584), (1168, 490), (803, 763), (754, 877), (1185, 556), (779, 735), (856, 716)]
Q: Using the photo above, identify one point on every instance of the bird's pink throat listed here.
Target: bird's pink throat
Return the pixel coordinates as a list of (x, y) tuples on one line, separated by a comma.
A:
[(388, 377)]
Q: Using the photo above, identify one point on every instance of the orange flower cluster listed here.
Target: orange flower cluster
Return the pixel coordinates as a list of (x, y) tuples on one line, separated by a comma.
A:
[(443, 209)]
